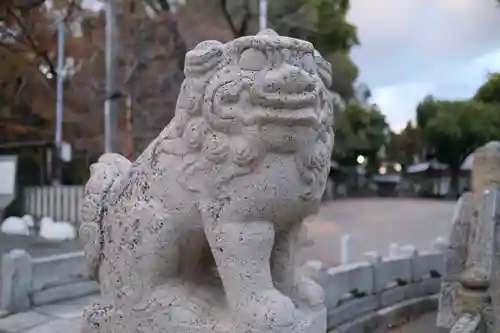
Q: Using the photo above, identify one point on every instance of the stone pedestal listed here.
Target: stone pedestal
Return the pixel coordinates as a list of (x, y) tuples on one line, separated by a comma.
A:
[(182, 307)]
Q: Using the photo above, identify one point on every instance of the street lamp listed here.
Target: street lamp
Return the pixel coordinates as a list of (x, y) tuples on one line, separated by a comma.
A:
[(262, 14), (59, 104)]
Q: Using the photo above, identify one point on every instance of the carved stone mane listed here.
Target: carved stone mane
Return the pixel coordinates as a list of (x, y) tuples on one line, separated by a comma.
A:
[(228, 141)]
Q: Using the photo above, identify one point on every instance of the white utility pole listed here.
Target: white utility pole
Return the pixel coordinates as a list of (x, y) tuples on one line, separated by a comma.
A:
[(59, 103), (109, 104), (262, 14), (60, 81)]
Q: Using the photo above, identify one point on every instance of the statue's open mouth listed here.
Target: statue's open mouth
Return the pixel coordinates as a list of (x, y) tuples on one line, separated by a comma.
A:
[(284, 100), (293, 109), (284, 116)]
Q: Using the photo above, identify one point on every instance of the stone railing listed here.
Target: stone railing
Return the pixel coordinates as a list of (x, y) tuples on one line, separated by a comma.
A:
[(381, 292), (62, 203), (468, 323), (28, 282)]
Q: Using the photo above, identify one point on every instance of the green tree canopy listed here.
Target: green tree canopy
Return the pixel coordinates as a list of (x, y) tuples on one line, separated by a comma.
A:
[(453, 129), (360, 131), (404, 146), (489, 92), (426, 110), (324, 23)]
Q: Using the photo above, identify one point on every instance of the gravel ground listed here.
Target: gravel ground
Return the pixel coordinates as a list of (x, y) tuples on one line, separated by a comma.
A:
[(374, 224)]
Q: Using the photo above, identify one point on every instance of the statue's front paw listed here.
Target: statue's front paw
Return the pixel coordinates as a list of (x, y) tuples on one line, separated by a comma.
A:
[(269, 308), (310, 292)]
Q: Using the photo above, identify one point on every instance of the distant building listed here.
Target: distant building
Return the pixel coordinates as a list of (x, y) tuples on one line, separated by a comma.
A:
[(429, 178), (432, 178), (387, 185)]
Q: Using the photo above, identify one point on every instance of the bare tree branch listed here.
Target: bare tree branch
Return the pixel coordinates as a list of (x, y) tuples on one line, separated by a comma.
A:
[(245, 20), (228, 18), (28, 4), (19, 88), (131, 70), (32, 43)]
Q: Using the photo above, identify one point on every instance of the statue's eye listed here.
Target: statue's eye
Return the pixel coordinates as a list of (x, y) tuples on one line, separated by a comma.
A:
[(253, 60)]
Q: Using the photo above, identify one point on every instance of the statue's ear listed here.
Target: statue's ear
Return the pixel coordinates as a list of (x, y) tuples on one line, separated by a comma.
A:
[(324, 69), (204, 57)]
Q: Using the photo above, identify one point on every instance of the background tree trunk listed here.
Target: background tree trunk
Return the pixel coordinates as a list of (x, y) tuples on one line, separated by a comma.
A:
[(154, 54)]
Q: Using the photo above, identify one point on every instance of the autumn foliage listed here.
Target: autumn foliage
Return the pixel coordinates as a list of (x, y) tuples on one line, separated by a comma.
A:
[(28, 58), (151, 42)]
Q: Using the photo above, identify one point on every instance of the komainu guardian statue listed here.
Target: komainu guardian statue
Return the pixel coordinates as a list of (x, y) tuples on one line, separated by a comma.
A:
[(200, 233)]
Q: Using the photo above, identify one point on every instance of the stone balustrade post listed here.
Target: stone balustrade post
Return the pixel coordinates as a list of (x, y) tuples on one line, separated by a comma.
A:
[(16, 281), (471, 282)]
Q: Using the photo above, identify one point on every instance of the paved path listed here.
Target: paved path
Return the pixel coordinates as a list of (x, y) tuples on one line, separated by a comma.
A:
[(55, 318), (374, 224), (424, 324)]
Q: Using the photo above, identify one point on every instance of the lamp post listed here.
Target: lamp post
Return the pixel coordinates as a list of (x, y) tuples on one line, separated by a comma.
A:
[(56, 158), (262, 14), (110, 62)]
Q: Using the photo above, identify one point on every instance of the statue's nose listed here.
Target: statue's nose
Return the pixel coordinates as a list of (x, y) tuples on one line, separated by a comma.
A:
[(288, 79)]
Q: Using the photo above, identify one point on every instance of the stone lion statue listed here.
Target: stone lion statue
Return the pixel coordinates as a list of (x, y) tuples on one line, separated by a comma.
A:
[(224, 188)]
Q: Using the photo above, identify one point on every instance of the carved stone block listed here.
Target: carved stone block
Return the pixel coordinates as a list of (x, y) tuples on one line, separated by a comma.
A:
[(471, 282), (200, 233)]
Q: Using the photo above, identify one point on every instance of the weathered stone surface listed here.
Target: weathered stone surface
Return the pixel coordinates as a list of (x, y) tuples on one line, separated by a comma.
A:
[(378, 321), (467, 324), (16, 281), (21, 322), (478, 264), (352, 309), (448, 312), (392, 270), (343, 279), (58, 269), (494, 289), (428, 264), (223, 189), (63, 292), (454, 262), (471, 261), (486, 166), (67, 310), (462, 217)]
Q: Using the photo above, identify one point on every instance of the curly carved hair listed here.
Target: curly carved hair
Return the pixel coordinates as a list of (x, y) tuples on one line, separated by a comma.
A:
[(222, 145)]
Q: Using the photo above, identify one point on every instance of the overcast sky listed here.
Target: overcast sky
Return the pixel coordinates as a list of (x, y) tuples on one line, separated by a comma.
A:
[(411, 48)]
